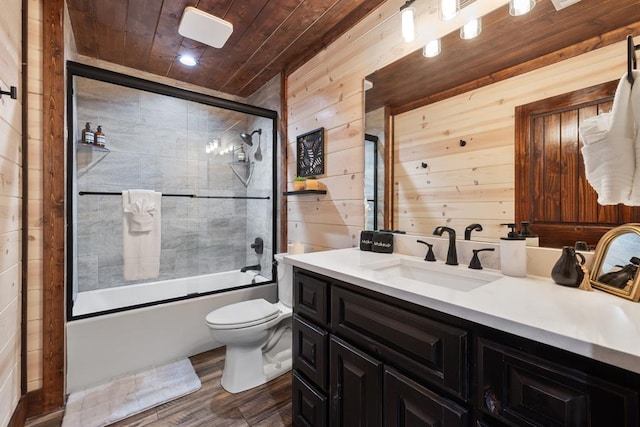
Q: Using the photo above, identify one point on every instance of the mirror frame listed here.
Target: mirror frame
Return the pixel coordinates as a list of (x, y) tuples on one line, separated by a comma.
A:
[(631, 292)]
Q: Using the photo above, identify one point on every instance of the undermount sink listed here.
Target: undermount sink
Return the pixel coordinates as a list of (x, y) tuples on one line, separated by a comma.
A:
[(452, 277)]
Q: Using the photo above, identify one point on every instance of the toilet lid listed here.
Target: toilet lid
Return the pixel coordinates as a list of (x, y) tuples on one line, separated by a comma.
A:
[(242, 314)]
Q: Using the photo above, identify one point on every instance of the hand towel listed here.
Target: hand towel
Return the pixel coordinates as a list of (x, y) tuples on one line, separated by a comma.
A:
[(141, 236), (634, 198), (141, 214), (609, 149)]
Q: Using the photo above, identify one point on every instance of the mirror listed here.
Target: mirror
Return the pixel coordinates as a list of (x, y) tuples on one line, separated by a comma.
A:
[(460, 185), (616, 260), (374, 170)]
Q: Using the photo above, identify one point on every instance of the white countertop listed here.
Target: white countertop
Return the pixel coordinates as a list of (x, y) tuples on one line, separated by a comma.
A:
[(595, 324)]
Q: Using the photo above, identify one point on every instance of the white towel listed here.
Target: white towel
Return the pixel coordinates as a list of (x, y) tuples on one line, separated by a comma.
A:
[(141, 233), (609, 151), (634, 198)]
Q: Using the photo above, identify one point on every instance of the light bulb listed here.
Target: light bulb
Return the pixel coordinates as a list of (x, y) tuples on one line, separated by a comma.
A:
[(520, 7), (432, 48), (408, 27), (448, 9), (187, 60), (471, 29)]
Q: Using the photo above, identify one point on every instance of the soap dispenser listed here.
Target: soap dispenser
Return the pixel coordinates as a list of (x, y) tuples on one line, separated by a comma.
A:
[(513, 253)]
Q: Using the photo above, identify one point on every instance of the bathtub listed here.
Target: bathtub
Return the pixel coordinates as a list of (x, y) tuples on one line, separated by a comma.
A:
[(143, 293), (104, 347)]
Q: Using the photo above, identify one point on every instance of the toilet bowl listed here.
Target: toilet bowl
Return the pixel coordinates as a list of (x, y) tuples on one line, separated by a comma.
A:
[(257, 335)]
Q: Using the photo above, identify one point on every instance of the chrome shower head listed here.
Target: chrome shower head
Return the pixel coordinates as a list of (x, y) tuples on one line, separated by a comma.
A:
[(248, 138)]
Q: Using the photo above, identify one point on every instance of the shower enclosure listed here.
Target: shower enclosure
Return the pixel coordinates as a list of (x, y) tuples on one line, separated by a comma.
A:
[(202, 167)]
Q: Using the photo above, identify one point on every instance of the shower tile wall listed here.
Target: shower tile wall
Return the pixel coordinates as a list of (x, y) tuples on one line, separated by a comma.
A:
[(157, 142)]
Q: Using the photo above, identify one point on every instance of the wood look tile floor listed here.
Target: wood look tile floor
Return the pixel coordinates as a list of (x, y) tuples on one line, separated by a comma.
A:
[(268, 405)]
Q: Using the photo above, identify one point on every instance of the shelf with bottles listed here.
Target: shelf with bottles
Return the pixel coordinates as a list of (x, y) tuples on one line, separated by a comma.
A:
[(92, 147)]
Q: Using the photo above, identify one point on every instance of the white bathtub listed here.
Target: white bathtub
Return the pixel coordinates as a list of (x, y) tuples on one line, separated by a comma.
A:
[(142, 293), (104, 347)]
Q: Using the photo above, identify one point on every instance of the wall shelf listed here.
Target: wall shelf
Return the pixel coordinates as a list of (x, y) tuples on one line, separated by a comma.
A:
[(92, 147), (292, 193)]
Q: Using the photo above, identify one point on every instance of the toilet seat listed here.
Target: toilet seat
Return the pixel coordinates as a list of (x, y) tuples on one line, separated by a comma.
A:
[(242, 314)]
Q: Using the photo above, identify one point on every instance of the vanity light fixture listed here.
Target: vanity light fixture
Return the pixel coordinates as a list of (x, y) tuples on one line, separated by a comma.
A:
[(187, 60), (471, 29), (431, 49), (520, 7), (448, 9), (407, 13)]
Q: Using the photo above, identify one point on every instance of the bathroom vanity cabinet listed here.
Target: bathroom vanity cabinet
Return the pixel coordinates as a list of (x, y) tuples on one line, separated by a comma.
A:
[(365, 358)]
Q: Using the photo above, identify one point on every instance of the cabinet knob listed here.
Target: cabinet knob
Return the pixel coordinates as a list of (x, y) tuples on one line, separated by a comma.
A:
[(492, 402)]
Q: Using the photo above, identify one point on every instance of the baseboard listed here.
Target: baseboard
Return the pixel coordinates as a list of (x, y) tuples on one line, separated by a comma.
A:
[(35, 403), (19, 416)]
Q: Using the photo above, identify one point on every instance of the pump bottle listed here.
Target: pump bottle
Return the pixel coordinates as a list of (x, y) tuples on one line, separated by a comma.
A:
[(513, 253)]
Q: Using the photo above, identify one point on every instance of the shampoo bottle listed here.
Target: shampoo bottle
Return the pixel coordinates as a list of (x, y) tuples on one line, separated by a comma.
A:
[(87, 134), (513, 254), (101, 140)]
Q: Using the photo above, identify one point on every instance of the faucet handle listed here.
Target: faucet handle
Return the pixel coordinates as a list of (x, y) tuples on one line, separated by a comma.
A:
[(430, 256), (475, 261)]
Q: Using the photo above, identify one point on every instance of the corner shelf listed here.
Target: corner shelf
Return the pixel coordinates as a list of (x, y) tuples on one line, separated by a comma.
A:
[(92, 147), (292, 193)]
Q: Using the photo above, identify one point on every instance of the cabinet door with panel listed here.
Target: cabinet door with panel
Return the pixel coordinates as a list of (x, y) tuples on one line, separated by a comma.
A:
[(310, 407), (310, 351), (429, 349), (355, 386), (409, 404), (521, 389)]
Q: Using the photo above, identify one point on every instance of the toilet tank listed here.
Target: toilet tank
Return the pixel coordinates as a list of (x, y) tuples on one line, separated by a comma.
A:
[(285, 280)]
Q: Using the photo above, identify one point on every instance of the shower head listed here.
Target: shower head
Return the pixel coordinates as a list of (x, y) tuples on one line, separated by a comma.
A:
[(247, 138)]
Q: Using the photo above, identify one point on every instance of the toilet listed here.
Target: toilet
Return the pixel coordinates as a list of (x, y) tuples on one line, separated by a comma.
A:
[(257, 334)]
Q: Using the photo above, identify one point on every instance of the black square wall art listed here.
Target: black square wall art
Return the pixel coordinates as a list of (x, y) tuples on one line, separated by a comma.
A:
[(310, 153)]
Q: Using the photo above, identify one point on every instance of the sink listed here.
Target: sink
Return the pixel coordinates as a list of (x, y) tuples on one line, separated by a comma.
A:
[(453, 277)]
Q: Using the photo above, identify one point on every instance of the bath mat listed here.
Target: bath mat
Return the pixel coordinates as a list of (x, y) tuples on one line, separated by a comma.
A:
[(126, 396)]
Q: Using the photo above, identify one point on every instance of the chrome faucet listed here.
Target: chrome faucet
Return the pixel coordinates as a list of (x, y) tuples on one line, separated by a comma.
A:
[(256, 267), (452, 254), (469, 229)]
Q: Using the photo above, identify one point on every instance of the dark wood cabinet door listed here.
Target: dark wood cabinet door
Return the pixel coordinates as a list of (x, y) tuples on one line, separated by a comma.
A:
[(311, 297), (310, 351), (429, 349), (523, 390), (409, 404), (355, 386), (309, 405)]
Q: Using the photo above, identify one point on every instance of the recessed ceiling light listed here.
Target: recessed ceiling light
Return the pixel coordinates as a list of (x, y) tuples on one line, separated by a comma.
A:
[(187, 60)]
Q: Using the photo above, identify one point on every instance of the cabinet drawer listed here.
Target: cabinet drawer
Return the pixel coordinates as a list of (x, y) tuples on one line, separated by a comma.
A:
[(522, 389), (310, 297), (407, 403), (310, 349), (429, 349), (309, 405)]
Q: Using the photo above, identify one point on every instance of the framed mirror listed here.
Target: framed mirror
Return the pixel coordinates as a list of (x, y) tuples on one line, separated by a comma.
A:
[(615, 265)]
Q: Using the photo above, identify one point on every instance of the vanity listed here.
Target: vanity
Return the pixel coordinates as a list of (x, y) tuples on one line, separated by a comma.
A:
[(375, 343)]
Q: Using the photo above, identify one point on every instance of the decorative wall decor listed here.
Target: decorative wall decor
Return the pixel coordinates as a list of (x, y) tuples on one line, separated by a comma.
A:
[(310, 153)]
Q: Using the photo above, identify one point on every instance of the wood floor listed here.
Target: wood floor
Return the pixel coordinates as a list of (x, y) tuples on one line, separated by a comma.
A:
[(266, 406)]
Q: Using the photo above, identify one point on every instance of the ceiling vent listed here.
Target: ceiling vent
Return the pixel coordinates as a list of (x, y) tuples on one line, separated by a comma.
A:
[(204, 28), (561, 4)]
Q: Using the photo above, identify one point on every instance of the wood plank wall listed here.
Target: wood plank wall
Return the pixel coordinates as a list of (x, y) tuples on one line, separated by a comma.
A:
[(327, 92), (34, 209), (10, 209), (475, 183)]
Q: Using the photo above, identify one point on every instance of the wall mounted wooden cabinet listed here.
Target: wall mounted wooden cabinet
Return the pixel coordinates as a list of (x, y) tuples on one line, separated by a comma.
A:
[(550, 184)]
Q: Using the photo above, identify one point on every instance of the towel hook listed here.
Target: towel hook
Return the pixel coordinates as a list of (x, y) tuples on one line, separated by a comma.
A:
[(13, 92), (632, 61)]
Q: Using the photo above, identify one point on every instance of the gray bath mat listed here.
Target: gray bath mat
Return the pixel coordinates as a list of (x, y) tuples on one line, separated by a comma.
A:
[(126, 396)]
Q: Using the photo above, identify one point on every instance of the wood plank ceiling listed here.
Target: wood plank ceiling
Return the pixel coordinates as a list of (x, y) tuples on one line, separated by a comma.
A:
[(269, 36), (505, 43)]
